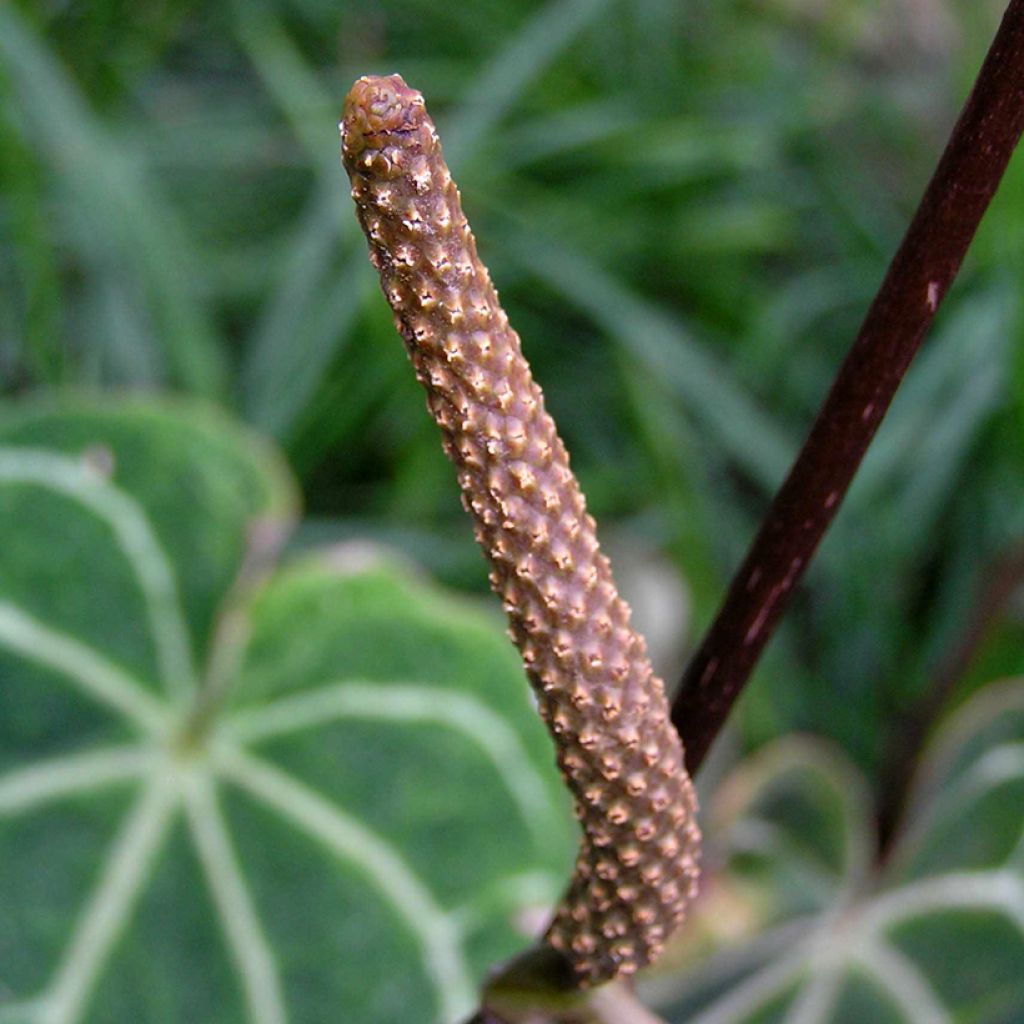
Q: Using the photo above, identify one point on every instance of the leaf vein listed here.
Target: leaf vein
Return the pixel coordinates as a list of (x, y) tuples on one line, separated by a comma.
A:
[(464, 714), (35, 785), (246, 938), (81, 664), (122, 877), (435, 931), (903, 981), (136, 539)]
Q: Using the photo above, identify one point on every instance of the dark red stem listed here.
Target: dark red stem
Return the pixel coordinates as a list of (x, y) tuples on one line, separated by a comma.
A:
[(923, 268)]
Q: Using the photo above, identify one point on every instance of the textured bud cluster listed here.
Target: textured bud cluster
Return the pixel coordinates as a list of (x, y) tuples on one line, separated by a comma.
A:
[(619, 754)]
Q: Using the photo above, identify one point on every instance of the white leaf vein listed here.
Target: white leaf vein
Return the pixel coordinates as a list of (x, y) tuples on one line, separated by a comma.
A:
[(1001, 891), (433, 705), (81, 664), (435, 931), (38, 784), (136, 539), (756, 990), (818, 998), (243, 930), (995, 768), (124, 873), (903, 981)]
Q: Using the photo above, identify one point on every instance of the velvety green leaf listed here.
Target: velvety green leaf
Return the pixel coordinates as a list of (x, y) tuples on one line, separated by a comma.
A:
[(968, 806), (233, 794), (936, 935), (183, 496), (794, 815)]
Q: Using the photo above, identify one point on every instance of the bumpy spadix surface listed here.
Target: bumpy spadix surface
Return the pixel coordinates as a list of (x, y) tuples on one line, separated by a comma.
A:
[(617, 750)]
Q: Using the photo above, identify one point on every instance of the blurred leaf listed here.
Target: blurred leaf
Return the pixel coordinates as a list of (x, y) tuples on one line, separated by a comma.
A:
[(31, 333), (936, 935), (1001, 655), (232, 795)]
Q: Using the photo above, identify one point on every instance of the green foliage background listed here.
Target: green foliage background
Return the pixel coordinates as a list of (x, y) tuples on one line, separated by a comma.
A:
[(686, 204)]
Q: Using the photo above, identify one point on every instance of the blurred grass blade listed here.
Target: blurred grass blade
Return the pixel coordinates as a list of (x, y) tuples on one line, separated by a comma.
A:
[(324, 332), (939, 409), (497, 87), (565, 131), (296, 337), (118, 331), (118, 210), (751, 439), (31, 331), (307, 319), (311, 111)]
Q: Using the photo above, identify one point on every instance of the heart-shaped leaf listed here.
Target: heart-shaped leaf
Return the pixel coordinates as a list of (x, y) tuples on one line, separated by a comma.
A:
[(229, 794), (935, 936)]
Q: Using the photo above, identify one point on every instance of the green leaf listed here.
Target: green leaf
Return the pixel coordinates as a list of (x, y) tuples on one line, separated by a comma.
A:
[(229, 793), (935, 935)]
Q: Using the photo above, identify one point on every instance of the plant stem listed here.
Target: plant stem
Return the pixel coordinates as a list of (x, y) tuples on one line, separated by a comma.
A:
[(922, 270)]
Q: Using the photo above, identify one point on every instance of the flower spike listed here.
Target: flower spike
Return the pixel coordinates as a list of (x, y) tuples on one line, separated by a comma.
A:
[(596, 690)]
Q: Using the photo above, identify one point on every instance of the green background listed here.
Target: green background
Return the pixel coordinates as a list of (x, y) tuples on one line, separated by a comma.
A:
[(686, 206)]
